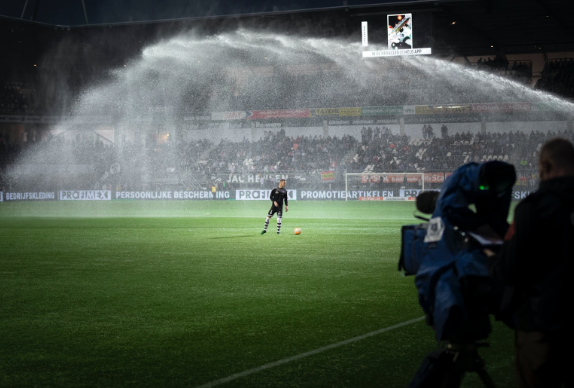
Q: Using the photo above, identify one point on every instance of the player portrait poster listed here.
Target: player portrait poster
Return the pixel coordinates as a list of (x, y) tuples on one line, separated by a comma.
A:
[(400, 31)]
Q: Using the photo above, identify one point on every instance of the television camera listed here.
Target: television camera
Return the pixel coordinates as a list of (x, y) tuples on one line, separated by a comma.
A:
[(446, 256)]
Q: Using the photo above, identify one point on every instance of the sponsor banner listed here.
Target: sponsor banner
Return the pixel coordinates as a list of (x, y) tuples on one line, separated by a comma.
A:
[(393, 178), (361, 195), (390, 178), (237, 115), (251, 178), (442, 119), (409, 192), (196, 118), (30, 196), (168, 195), (395, 53), (86, 195), (196, 125), (409, 110), (382, 110), (260, 114), (389, 120), (345, 112), (387, 198), (519, 195), (328, 175), (370, 179), (413, 179), (340, 112), (501, 107), (267, 125), (342, 195), (433, 177), (545, 107), (412, 192), (441, 109), (339, 122), (399, 198), (260, 195), (278, 114)]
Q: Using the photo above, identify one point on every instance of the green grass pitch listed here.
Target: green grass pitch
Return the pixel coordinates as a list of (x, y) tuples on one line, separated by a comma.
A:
[(185, 294)]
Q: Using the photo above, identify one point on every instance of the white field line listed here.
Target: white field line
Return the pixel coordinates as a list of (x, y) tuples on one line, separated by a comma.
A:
[(306, 354)]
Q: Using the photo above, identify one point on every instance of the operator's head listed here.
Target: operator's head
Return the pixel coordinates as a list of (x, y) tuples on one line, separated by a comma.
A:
[(556, 159), (282, 183)]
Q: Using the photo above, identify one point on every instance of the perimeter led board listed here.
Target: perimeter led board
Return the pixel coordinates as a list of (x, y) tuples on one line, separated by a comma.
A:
[(400, 37)]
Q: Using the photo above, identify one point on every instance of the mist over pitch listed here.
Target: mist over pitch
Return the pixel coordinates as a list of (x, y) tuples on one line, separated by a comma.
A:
[(189, 76)]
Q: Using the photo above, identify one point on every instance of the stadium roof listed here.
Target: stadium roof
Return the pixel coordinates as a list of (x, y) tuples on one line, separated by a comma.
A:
[(460, 27)]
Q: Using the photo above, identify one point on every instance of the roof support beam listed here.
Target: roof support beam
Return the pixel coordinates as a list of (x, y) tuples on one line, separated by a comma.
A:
[(24, 9), (85, 13)]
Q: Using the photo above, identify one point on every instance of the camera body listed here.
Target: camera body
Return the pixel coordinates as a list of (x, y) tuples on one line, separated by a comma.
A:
[(445, 254)]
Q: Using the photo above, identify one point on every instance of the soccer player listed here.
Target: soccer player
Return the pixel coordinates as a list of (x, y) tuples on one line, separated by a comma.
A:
[(278, 195)]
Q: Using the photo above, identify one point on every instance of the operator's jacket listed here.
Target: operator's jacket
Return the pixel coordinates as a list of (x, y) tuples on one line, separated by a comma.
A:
[(535, 261)]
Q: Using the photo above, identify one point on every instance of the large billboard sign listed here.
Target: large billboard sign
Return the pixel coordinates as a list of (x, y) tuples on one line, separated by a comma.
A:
[(400, 37)]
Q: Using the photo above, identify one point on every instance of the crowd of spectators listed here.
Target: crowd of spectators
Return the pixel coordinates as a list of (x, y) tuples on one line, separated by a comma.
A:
[(277, 152), (85, 159), (15, 97), (392, 152), (558, 77)]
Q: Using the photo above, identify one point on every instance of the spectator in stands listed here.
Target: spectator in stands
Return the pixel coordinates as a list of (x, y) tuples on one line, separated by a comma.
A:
[(444, 131)]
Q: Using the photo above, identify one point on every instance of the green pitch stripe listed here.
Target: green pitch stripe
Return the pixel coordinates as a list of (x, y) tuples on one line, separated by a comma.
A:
[(302, 355)]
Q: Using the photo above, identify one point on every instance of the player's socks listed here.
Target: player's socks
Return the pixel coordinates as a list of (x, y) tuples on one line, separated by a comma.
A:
[(266, 225), (278, 225)]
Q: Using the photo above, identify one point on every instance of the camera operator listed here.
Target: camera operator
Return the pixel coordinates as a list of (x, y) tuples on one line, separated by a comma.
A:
[(535, 266)]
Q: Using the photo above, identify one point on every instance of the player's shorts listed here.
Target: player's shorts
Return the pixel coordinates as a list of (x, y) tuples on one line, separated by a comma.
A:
[(278, 210)]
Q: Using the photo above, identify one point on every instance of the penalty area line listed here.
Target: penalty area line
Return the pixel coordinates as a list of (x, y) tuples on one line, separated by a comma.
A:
[(306, 354)]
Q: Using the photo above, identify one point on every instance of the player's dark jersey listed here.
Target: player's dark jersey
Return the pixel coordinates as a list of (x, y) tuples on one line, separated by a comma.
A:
[(279, 195)]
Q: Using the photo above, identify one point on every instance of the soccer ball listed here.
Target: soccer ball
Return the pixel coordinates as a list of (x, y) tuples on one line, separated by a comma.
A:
[(297, 230)]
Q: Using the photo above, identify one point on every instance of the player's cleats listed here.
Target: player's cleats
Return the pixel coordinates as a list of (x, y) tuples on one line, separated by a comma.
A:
[(278, 233), (263, 231)]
